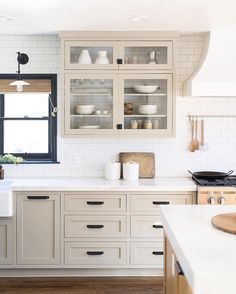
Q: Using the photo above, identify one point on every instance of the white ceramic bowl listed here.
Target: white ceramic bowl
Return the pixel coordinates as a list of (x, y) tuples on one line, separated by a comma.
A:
[(84, 109), (147, 109), (90, 127), (145, 89)]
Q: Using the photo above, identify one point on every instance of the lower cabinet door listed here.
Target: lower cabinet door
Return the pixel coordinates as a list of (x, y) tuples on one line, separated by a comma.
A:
[(95, 253), (38, 229), (147, 253), (5, 241)]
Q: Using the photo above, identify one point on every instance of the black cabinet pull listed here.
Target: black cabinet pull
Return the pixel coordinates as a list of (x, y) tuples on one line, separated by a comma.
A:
[(95, 202), (179, 269), (157, 226), (160, 202), (158, 253), (95, 252), (119, 126), (95, 226), (119, 61), (37, 197)]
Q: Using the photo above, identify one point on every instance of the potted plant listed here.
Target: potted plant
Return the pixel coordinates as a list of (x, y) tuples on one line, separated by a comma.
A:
[(8, 158)]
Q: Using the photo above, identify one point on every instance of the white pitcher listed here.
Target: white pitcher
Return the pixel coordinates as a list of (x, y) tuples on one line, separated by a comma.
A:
[(102, 58), (84, 57)]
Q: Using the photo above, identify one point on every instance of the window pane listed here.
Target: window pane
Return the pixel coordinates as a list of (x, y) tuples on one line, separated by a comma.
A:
[(27, 104), (25, 136)]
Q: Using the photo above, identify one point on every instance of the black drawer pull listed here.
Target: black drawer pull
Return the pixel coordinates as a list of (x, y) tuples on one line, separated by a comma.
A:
[(179, 269), (95, 202), (157, 226), (160, 202), (37, 197), (95, 226), (95, 252), (158, 253)]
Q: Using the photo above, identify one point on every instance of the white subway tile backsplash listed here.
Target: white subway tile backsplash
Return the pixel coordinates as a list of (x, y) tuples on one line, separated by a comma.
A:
[(85, 157)]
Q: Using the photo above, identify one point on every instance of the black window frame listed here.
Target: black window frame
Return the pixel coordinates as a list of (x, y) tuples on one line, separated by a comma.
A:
[(51, 156)]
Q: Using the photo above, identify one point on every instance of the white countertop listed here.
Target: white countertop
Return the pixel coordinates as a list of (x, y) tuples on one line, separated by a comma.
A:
[(100, 184), (206, 254)]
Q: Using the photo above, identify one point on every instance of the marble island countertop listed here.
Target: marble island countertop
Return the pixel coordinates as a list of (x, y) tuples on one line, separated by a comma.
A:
[(206, 254), (99, 184)]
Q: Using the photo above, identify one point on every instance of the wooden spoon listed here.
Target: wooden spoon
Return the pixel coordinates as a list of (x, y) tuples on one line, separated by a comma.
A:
[(192, 144), (196, 142), (203, 146)]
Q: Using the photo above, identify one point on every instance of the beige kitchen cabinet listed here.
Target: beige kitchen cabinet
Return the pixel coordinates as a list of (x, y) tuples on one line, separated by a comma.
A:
[(108, 94), (175, 281), (38, 229), (139, 71), (129, 55), (6, 241), (146, 227)]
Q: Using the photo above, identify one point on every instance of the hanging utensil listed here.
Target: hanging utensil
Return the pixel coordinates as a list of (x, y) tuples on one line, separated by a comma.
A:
[(196, 142), (192, 145)]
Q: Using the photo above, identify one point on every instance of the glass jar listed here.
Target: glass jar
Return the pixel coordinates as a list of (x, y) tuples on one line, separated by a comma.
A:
[(148, 124), (134, 124)]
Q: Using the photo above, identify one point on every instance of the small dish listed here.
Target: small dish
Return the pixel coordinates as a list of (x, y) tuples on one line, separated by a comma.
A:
[(145, 89), (97, 112), (105, 112)]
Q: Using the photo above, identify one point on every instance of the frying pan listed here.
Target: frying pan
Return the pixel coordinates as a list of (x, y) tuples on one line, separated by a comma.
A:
[(210, 175)]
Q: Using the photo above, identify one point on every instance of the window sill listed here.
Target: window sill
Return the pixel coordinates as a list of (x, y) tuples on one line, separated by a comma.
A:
[(34, 162)]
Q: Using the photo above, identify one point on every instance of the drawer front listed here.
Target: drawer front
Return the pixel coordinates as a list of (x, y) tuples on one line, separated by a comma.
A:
[(95, 253), (152, 202), (146, 226), (95, 203), (147, 253), (95, 226)]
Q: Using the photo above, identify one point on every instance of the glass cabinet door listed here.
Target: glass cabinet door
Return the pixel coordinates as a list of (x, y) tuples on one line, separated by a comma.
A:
[(90, 55), (148, 55), (147, 105), (90, 104)]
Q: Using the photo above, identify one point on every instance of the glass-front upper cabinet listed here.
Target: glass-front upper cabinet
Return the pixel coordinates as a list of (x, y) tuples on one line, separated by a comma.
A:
[(146, 55), (147, 104), (90, 104), (91, 55)]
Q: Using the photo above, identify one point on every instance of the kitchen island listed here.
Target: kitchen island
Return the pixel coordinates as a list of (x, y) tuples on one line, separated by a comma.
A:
[(207, 255)]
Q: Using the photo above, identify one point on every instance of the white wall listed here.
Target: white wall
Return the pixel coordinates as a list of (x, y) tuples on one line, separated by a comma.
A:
[(86, 157)]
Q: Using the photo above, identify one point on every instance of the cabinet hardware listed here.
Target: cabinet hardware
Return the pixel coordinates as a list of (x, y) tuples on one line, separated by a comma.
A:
[(160, 202), (95, 252), (95, 202), (158, 226), (119, 126), (179, 269), (119, 61), (37, 197), (158, 253), (95, 226)]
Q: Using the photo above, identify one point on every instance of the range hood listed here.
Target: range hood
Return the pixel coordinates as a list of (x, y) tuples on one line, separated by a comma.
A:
[(215, 74)]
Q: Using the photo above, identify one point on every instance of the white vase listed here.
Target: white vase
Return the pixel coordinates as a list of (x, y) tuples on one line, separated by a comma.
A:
[(102, 58), (84, 57)]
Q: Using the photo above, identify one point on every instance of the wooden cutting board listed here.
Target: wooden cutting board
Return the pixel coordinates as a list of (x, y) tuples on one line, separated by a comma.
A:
[(146, 162), (225, 222)]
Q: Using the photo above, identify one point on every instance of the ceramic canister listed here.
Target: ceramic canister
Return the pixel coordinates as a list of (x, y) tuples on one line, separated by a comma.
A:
[(112, 170), (131, 171)]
